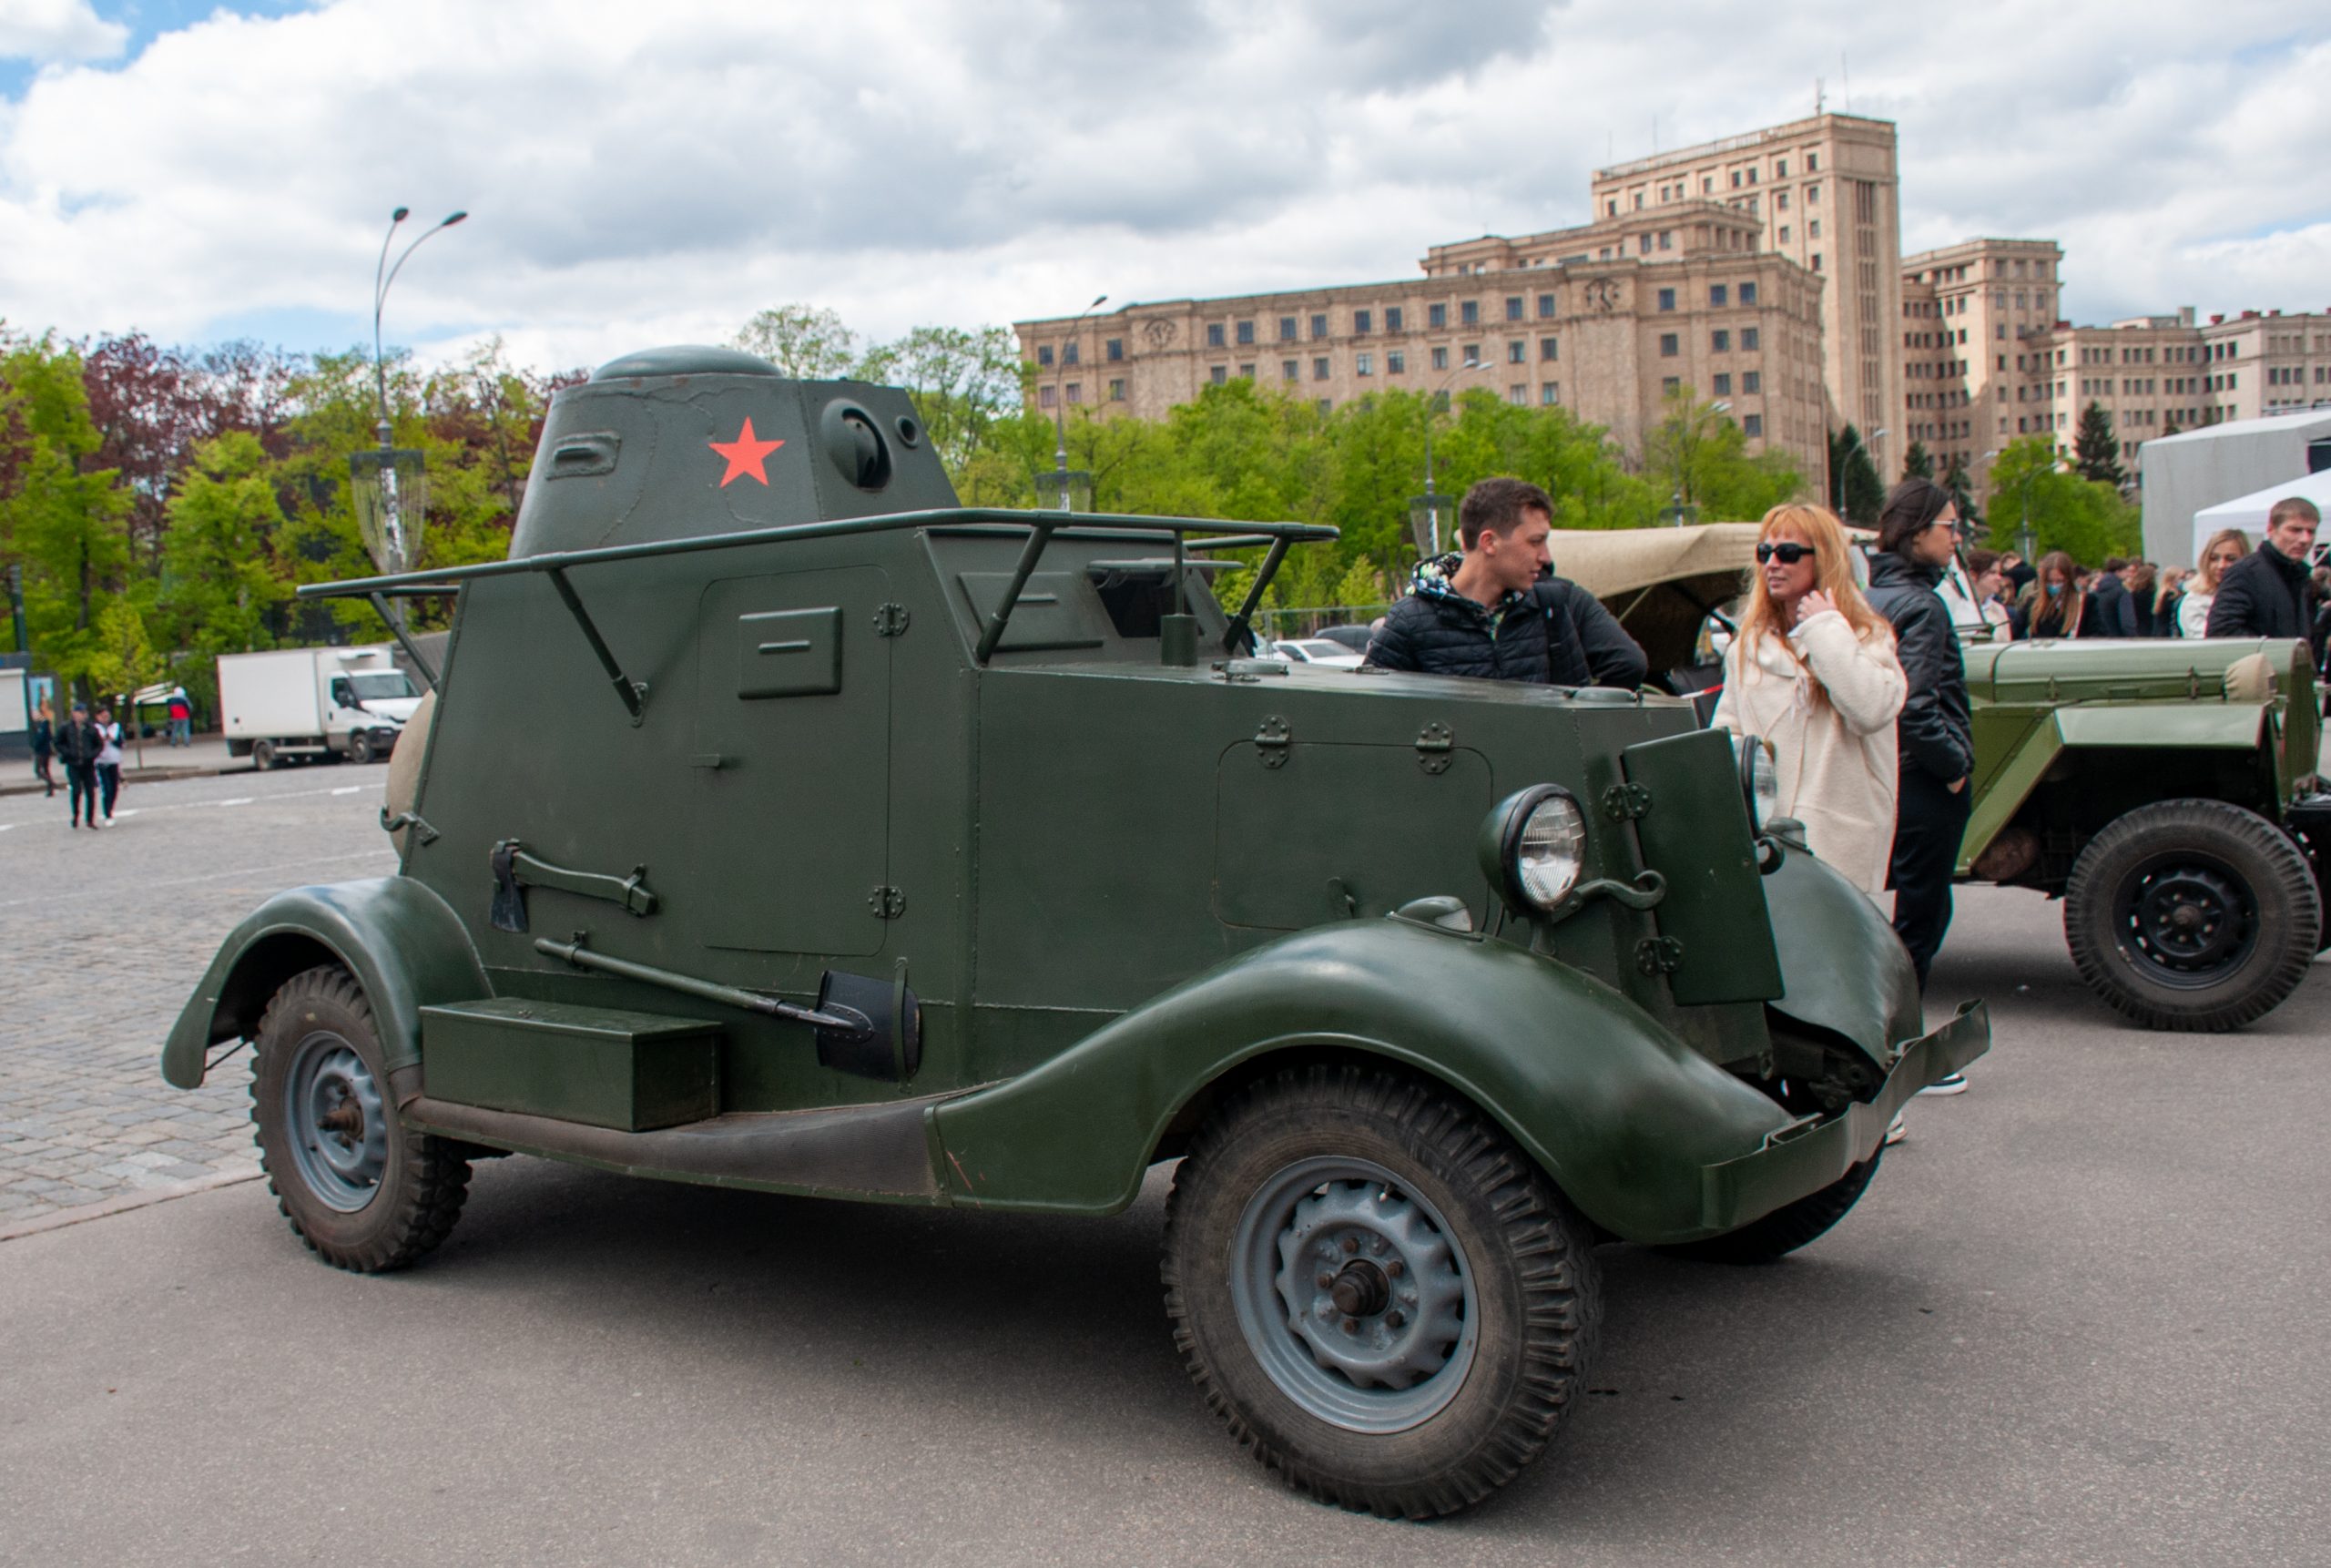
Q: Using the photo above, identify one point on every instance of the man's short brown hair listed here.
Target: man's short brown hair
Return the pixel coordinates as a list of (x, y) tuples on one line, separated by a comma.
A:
[(1497, 505), (2288, 507)]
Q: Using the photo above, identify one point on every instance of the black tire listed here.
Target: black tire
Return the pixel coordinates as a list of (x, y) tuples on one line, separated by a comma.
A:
[(263, 754), (2193, 914), (401, 1191), (1529, 1289), (1787, 1227), (360, 746)]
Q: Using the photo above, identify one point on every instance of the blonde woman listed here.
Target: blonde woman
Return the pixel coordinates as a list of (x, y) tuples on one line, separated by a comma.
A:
[(2227, 546), (1813, 670)]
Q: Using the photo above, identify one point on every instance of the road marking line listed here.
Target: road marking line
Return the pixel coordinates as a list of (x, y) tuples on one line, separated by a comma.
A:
[(347, 789), (237, 800)]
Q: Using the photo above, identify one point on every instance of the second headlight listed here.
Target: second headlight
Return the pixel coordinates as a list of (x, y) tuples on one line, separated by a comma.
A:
[(1538, 845)]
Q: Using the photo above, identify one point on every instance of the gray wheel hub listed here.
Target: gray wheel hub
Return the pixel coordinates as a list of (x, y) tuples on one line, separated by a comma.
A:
[(337, 1122), (1353, 1295)]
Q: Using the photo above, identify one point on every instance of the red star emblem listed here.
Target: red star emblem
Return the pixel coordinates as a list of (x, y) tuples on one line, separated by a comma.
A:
[(746, 456)]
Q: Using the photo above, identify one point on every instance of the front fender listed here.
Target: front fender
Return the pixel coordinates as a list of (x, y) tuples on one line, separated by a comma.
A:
[(1620, 1113), (1842, 967), (404, 944)]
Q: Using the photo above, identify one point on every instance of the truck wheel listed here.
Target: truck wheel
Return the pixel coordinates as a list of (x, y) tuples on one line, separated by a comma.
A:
[(362, 1190), (2193, 914), (1376, 1289), (360, 746), (1787, 1227), (262, 754)]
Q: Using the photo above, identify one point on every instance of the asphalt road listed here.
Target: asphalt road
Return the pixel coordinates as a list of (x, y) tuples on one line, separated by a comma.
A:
[(2076, 1320)]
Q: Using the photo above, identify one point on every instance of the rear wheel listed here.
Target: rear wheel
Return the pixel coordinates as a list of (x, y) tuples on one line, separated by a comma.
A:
[(2193, 914), (1377, 1291), (362, 1189), (1787, 1228)]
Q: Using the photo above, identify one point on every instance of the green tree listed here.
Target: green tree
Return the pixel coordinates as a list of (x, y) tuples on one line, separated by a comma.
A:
[(962, 381), (1918, 463), (2086, 520), (124, 662), (64, 521), (2096, 452), (1857, 494), (805, 341), (1962, 486), (1698, 454), (223, 586)]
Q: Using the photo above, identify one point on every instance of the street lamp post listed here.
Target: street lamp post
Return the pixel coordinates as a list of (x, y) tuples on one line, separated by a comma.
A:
[(1424, 511), (1064, 488), (390, 484)]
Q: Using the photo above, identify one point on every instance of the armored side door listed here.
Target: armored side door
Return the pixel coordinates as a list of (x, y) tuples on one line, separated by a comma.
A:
[(788, 803)]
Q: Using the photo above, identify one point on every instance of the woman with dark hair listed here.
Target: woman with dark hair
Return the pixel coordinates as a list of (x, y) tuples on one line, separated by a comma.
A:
[(1916, 537)]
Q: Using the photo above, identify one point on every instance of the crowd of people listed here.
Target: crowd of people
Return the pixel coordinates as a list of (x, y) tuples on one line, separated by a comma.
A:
[(88, 746)]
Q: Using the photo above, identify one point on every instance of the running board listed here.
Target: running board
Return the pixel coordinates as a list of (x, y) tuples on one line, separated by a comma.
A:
[(840, 1151)]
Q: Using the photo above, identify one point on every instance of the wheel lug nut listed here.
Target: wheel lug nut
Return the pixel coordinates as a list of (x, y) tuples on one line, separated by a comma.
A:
[(1351, 1326), (1396, 1268), (1395, 1318), (1323, 1279), (1351, 1244)]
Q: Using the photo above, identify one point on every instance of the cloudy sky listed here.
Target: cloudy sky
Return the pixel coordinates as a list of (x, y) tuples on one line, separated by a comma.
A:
[(642, 173)]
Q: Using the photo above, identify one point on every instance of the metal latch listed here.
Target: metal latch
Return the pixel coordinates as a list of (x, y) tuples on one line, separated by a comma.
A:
[(1435, 743), (1626, 802), (1272, 739), (890, 620), (1659, 956), (887, 902)]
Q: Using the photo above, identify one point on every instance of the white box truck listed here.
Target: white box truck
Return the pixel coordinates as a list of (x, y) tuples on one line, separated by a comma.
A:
[(309, 703)]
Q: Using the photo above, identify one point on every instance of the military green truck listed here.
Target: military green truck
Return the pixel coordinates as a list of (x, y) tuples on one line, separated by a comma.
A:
[(778, 823), (2165, 789)]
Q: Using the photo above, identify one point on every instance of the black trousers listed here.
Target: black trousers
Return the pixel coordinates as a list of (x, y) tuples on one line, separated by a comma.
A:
[(1928, 822), (81, 779), (110, 785)]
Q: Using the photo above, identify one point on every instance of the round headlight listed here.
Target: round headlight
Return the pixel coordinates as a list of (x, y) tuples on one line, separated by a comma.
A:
[(1533, 846), (1760, 781)]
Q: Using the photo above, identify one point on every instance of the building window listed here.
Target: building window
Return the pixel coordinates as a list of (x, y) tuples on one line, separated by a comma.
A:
[(1546, 307), (1780, 168), (1750, 339), (1076, 391), (1047, 396), (1440, 359), (1436, 316), (1319, 369), (1043, 354), (1550, 348), (1549, 393), (1514, 308), (1668, 346), (1360, 322), (1518, 394), (1286, 329), (1752, 424), (1611, 209), (1319, 326), (1246, 372), (1288, 370), (1667, 239), (1735, 180), (1784, 233), (1363, 364), (1716, 293), (1470, 313), (1667, 299), (1816, 261), (1517, 352), (1720, 341), (1113, 350), (1643, 244), (1246, 331), (1218, 373), (1722, 387), (1117, 391), (1327, 405), (1812, 230), (1470, 354), (1396, 362), (1213, 335), (1392, 317), (1669, 384), (1748, 293), (1752, 383)]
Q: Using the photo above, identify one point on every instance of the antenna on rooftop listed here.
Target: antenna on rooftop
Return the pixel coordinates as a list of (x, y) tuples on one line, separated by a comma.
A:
[(1820, 96), (1845, 81)]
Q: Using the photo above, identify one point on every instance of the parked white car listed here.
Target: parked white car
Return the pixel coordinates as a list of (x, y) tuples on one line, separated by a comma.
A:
[(1321, 651)]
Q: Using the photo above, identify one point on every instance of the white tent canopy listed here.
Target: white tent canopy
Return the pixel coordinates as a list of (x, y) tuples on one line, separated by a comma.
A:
[(2248, 513)]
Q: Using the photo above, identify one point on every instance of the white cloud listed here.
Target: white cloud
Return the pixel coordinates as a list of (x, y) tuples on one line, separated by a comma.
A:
[(639, 174), (42, 30)]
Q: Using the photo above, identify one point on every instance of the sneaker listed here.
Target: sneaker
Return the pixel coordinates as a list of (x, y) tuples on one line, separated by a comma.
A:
[(1954, 1084), (1895, 1131)]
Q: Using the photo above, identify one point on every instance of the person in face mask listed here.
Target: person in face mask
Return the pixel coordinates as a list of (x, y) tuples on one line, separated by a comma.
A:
[(2053, 606)]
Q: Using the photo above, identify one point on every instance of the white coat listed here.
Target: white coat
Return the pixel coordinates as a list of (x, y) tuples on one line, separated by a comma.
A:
[(1837, 763)]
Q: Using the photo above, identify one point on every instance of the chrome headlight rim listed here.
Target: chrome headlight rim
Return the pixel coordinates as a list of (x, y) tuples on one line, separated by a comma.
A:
[(1760, 784), (1521, 811)]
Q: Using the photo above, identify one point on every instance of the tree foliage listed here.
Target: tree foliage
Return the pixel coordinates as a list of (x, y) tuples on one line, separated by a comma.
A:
[(2096, 451), (1918, 463), (2086, 520), (1855, 492)]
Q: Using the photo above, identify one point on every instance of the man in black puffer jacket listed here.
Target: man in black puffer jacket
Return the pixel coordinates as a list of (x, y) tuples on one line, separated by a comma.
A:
[(1493, 612), (1917, 536), (2267, 593)]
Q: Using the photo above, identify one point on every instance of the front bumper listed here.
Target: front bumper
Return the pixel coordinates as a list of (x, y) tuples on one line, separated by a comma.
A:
[(1810, 1154)]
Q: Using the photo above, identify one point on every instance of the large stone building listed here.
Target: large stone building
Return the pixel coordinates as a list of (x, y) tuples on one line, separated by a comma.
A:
[(1604, 320), (1969, 313)]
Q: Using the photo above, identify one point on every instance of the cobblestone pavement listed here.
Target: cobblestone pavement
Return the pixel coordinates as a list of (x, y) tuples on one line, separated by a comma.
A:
[(103, 936)]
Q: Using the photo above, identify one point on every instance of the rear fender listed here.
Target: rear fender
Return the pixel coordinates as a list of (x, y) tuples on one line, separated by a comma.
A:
[(1620, 1113), (404, 944)]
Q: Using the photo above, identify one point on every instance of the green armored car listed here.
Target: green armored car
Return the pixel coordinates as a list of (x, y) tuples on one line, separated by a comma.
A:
[(777, 823)]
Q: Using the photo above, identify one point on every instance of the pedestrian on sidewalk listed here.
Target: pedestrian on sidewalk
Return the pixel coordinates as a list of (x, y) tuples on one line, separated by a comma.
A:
[(181, 717), (45, 746), (78, 745), (109, 761)]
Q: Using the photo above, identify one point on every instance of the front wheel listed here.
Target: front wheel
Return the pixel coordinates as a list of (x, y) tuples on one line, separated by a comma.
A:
[(2193, 914), (360, 746), (364, 1191), (1377, 1291)]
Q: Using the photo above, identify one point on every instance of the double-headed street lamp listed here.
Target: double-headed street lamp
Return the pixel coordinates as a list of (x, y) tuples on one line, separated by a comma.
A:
[(391, 483), (1426, 511), (1065, 489)]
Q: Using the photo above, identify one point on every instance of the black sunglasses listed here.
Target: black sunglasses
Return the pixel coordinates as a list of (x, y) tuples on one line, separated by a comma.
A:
[(1789, 551)]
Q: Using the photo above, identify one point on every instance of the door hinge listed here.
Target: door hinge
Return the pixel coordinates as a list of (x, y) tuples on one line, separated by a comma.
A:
[(1271, 741), (1659, 956), (1626, 802), (887, 903), (890, 620), (1435, 747)]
